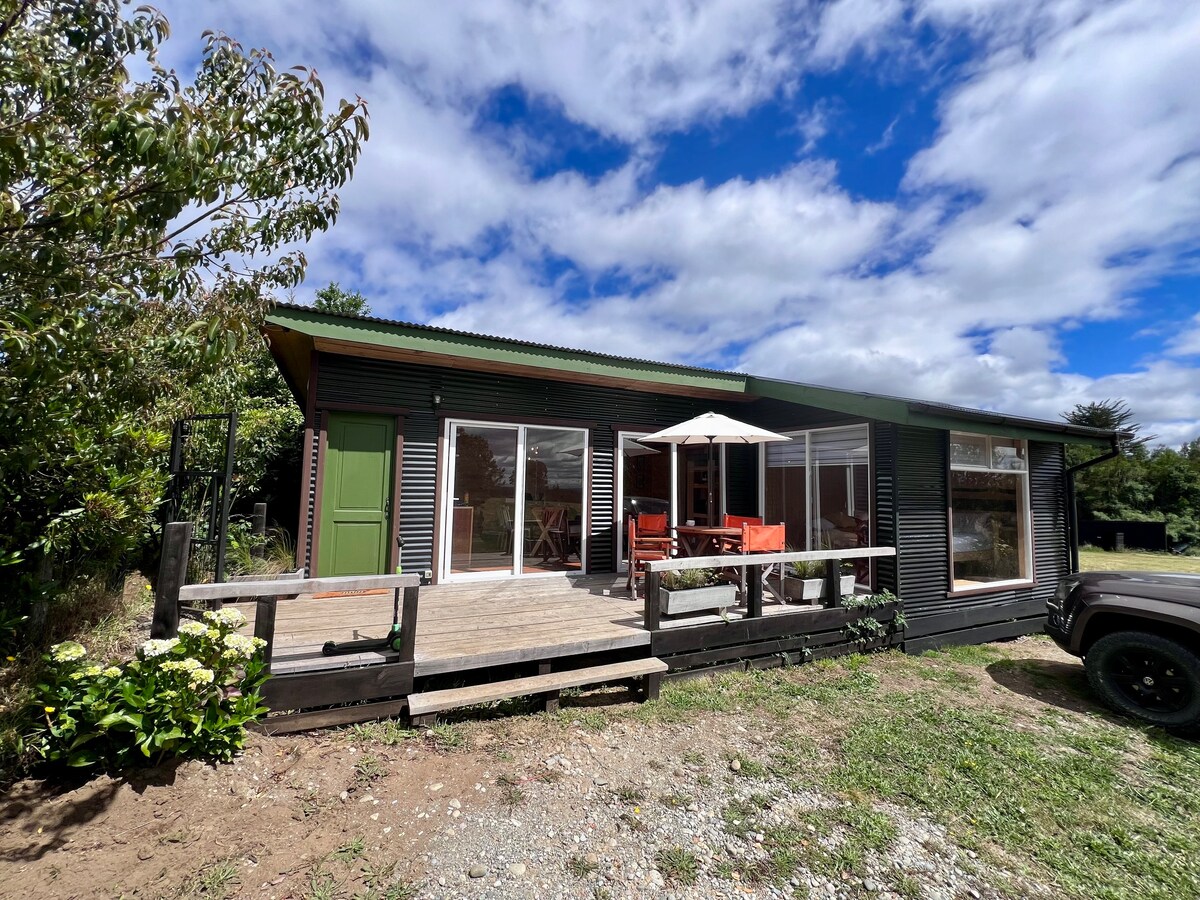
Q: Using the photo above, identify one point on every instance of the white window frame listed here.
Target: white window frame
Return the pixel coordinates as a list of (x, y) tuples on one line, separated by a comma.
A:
[(809, 473), (1026, 525), (447, 498)]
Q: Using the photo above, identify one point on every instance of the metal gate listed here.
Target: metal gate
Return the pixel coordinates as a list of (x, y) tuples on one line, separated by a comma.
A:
[(202, 451)]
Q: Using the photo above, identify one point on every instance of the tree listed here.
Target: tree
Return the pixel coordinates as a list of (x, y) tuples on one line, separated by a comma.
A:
[(1113, 415), (332, 299), (142, 232), (1162, 485)]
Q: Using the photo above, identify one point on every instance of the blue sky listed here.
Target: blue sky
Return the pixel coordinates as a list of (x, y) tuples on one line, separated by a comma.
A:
[(989, 202)]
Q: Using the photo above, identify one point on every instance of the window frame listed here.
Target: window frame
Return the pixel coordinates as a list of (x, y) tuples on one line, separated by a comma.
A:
[(1025, 525)]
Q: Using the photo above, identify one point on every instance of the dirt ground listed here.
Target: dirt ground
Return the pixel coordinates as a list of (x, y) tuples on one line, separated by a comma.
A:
[(286, 802), (284, 816)]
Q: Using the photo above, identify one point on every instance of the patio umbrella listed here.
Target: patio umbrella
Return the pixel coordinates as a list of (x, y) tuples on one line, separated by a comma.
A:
[(713, 428)]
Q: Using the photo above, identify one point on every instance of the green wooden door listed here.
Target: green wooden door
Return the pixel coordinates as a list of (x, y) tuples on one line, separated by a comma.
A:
[(356, 495)]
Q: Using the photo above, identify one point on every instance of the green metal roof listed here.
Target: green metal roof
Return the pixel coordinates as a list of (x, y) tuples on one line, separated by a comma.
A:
[(488, 348), (443, 341)]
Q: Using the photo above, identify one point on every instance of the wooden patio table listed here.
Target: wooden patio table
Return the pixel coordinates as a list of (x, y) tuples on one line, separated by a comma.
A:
[(702, 540)]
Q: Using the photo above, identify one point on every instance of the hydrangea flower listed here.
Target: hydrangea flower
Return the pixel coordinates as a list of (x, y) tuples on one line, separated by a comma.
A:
[(193, 628), (92, 671), (157, 647), (242, 646), (201, 676), (67, 651), (181, 665), (112, 672), (227, 616)]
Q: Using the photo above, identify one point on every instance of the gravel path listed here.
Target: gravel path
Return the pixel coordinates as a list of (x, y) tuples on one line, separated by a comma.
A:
[(591, 814)]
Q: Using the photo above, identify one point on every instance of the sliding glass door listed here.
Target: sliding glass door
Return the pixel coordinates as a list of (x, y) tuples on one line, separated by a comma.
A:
[(515, 501), (819, 485), (644, 479)]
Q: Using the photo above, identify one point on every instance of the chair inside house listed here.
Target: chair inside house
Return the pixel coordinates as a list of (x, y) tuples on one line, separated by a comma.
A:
[(553, 537), (648, 540), (506, 529), (758, 538)]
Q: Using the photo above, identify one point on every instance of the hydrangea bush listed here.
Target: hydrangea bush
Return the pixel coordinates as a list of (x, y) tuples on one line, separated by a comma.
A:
[(189, 696)]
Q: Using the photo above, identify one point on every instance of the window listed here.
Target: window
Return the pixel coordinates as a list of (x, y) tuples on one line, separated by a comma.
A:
[(989, 511), (818, 485)]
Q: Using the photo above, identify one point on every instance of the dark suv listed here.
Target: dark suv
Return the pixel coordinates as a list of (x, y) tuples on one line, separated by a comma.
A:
[(1139, 636)]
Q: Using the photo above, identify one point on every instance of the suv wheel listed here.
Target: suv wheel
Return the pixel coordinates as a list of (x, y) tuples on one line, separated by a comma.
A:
[(1148, 677)]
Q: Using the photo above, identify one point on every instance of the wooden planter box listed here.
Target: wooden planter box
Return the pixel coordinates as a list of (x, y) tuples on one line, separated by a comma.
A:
[(715, 596), (808, 590)]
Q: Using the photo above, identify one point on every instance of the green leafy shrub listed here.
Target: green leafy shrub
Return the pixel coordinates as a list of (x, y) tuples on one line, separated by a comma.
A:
[(868, 601), (189, 696)]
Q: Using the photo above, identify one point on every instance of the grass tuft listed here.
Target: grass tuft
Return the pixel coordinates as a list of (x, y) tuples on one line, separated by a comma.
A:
[(678, 865)]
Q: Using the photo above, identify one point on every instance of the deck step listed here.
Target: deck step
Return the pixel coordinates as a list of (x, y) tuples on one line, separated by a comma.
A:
[(453, 698)]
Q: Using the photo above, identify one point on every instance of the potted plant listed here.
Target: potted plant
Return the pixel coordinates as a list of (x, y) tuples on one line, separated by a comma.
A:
[(691, 590), (805, 581)]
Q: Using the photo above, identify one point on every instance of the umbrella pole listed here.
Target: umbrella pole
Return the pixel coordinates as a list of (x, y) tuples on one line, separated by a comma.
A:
[(711, 510)]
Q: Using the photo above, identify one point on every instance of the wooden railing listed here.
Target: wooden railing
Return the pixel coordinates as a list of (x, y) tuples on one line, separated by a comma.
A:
[(754, 563), (173, 595)]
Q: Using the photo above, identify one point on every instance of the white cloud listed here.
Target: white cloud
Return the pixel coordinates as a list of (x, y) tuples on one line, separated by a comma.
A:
[(1074, 136)]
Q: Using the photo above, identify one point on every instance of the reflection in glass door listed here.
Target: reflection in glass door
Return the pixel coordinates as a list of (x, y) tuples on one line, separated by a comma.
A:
[(554, 473), (516, 500), (482, 499), (643, 483)]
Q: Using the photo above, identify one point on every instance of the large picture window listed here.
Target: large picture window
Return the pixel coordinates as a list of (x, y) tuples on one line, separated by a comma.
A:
[(989, 511)]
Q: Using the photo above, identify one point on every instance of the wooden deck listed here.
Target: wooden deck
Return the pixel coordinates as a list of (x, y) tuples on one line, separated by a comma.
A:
[(475, 625), (467, 625)]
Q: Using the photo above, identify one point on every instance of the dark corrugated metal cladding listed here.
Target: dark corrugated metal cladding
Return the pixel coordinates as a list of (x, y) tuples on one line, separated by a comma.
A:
[(514, 398)]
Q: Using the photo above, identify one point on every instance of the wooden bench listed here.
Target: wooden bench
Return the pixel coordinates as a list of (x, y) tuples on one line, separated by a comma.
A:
[(424, 707)]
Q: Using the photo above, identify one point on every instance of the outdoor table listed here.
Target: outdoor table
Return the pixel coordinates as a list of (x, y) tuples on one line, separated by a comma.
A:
[(702, 540)]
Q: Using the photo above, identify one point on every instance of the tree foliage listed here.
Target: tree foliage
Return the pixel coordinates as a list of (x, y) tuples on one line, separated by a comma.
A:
[(332, 299), (1159, 485), (144, 224)]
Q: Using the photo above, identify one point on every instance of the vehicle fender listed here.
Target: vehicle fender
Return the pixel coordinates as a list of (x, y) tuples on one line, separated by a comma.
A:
[(1159, 611)]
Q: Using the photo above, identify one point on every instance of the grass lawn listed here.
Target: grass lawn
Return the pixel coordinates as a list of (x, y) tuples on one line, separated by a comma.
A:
[(1093, 560), (1002, 744)]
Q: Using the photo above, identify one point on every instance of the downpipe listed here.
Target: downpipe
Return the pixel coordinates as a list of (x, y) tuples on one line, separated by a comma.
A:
[(1072, 506)]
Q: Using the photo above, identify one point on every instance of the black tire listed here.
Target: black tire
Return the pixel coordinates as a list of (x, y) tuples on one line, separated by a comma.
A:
[(1148, 677)]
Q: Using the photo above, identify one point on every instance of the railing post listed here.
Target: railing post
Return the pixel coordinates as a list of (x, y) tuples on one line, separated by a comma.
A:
[(264, 625), (408, 624), (651, 612), (833, 582), (754, 592), (258, 527), (172, 573)]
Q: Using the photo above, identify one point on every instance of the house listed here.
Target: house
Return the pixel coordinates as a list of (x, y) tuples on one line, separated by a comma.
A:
[(457, 453)]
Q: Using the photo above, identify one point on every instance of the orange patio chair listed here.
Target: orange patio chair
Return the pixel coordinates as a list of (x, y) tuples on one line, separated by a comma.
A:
[(758, 538), (646, 547), (733, 544)]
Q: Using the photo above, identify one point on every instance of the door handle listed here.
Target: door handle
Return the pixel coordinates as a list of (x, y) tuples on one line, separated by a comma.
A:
[(387, 506)]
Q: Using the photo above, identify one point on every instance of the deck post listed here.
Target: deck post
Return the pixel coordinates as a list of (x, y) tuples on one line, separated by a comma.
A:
[(264, 625), (651, 685), (550, 698), (408, 625), (652, 611), (258, 527), (754, 592), (172, 573), (833, 582)]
